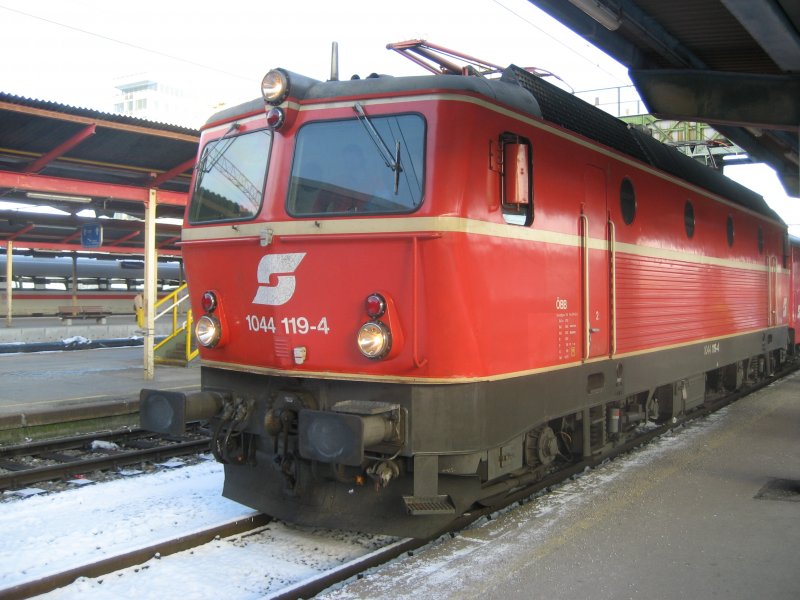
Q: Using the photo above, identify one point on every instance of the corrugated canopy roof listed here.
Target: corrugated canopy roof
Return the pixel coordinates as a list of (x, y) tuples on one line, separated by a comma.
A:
[(74, 158), (731, 63)]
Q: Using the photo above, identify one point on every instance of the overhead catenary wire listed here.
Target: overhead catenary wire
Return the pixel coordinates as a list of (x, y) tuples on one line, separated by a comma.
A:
[(248, 78), (126, 43), (558, 41)]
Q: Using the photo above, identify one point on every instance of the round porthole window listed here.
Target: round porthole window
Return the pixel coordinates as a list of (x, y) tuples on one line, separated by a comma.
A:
[(688, 219), (627, 201)]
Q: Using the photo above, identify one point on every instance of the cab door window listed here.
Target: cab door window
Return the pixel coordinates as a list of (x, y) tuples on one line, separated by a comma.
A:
[(517, 176)]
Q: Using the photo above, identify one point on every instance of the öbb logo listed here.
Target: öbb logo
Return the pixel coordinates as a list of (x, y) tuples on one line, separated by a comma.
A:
[(282, 265)]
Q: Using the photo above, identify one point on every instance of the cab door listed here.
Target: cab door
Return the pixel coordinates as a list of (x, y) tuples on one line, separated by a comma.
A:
[(595, 264)]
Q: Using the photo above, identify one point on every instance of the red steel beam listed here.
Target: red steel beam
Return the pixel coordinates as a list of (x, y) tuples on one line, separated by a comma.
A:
[(124, 238), (168, 241), (41, 162), (22, 231), (60, 185), (71, 237), (173, 172), (78, 247)]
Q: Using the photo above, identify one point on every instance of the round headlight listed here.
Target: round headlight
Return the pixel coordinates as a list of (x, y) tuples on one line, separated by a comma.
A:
[(207, 331), (374, 340), (275, 86)]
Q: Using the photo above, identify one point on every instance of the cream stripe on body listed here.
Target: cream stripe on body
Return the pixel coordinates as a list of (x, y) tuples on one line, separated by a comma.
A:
[(421, 225)]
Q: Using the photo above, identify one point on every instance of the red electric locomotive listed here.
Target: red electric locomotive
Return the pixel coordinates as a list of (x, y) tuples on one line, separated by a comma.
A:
[(418, 293), (794, 292)]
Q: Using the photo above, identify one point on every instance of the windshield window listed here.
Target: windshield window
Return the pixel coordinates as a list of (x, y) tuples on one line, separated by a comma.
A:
[(230, 178), (340, 167)]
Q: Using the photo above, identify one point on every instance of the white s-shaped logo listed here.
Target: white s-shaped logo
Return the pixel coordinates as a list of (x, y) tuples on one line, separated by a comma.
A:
[(281, 265)]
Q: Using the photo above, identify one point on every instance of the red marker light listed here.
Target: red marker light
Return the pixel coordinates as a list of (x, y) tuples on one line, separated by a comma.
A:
[(376, 305), (275, 118), (209, 302)]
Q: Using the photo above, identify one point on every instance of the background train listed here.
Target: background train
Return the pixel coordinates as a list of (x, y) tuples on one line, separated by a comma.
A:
[(416, 294), (42, 284)]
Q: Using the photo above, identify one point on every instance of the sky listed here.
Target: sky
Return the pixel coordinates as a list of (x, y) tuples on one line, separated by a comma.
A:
[(74, 52)]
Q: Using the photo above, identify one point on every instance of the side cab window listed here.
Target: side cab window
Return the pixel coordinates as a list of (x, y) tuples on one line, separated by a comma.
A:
[(516, 180)]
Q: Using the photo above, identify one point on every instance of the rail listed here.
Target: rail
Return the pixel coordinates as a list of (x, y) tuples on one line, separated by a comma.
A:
[(181, 332), (519, 489), (501, 496), (50, 460), (134, 557)]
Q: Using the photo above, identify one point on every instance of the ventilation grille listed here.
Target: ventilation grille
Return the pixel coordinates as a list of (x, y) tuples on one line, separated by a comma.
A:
[(570, 112)]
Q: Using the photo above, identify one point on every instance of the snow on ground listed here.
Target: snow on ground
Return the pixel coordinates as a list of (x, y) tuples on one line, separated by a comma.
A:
[(243, 567), (534, 528), (88, 523), (85, 524), (52, 533)]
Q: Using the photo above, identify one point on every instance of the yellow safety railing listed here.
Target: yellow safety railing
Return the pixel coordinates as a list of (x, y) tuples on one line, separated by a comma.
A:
[(191, 353), (171, 303)]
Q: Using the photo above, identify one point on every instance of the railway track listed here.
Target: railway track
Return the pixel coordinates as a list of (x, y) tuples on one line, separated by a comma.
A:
[(255, 528), (48, 460), (287, 554), (523, 491), (134, 557)]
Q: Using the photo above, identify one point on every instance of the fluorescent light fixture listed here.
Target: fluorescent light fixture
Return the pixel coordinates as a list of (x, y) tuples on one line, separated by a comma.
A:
[(58, 197), (601, 13)]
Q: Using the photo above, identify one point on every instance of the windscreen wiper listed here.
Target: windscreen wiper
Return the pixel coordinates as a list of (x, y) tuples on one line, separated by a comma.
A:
[(218, 150), (391, 161)]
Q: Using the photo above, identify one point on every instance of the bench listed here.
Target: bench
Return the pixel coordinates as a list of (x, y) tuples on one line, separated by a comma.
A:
[(98, 313)]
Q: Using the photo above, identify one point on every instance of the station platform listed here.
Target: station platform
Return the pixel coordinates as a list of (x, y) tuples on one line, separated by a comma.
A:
[(34, 334), (710, 511), (90, 388)]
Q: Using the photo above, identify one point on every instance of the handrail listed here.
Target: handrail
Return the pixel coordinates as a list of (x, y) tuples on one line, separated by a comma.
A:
[(173, 307), (172, 297), (587, 334), (415, 302), (190, 353), (772, 284), (612, 252), (173, 300)]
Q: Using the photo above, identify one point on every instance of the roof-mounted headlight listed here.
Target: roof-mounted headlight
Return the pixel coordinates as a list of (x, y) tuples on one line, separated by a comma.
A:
[(275, 86)]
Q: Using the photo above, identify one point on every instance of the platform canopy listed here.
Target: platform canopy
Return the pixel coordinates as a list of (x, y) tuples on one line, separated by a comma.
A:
[(734, 64), (73, 159)]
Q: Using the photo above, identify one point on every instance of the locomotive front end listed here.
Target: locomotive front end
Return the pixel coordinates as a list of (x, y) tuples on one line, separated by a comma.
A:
[(304, 304)]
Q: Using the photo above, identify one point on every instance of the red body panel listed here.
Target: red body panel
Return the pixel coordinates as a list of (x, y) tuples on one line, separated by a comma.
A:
[(478, 298), (794, 310)]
